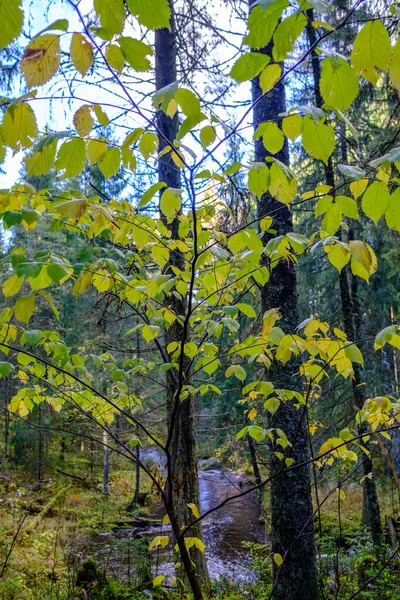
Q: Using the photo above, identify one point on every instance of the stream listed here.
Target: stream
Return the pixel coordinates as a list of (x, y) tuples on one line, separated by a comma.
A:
[(224, 530)]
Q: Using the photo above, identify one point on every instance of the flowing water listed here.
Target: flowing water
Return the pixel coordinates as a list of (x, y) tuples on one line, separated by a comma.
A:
[(224, 530)]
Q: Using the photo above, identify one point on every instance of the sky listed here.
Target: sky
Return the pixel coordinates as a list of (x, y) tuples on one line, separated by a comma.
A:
[(58, 114)]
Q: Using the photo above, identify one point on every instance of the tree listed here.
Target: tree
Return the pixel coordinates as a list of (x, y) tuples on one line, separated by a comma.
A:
[(175, 277)]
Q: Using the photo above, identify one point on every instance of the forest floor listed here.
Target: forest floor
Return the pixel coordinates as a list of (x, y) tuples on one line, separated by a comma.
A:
[(46, 531)]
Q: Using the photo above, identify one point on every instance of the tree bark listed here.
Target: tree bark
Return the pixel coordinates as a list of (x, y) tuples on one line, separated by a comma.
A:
[(292, 524), (183, 482)]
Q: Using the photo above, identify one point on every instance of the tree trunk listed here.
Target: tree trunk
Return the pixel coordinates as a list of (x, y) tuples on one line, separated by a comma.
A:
[(351, 314), (183, 482), (106, 463), (291, 503)]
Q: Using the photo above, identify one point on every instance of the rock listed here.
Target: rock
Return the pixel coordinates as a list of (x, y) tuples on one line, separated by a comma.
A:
[(210, 464)]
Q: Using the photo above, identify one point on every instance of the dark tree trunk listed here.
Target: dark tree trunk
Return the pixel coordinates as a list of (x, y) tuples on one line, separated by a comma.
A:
[(291, 503), (106, 464), (351, 313), (183, 483)]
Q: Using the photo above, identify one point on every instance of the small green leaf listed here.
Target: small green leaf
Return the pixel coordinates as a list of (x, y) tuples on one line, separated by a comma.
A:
[(376, 200), (249, 65), (136, 53), (6, 368), (154, 14)]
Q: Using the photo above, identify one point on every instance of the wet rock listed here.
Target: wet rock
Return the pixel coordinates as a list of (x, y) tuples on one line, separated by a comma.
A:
[(209, 464)]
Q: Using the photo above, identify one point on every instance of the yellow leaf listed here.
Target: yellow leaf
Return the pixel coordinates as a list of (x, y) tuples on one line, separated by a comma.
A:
[(269, 77), (357, 187), (19, 127), (81, 52), (278, 559), (96, 150), (12, 285), (158, 580), (24, 308), (41, 59), (83, 120), (269, 319), (11, 19), (292, 127), (194, 510)]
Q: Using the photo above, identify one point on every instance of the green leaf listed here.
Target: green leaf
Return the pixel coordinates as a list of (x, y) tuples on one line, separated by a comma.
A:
[(318, 138), (272, 136), (376, 200), (11, 19), (96, 150), (41, 162), (28, 269), (50, 302), (392, 156), (19, 127), (247, 310), (262, 23), (24, 308), (136, 53), (110, 164), (12, 285), (348, 206), (281, 186), (259, 179), (207, 135), (278, 559), (353, 353), (31, 337), (249, 65), (286, 34), (115, 58), (111, 14), (101, 115), (153, 15), (384, 336), (292, 126), (6, 368), (41, 59), (57, 272), (272, 404), (269, 77), (150, 193), (170, 203), (371, 50), (392, 214), (338, 255), (148, 144), (351, 171), (339, 83), (164, 99), (189, 103), (160, 255), (394, 70), (256, 433), (59, 25), (81, 52), (237, 371), (332, 219), (71, 157), (150, 332)]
